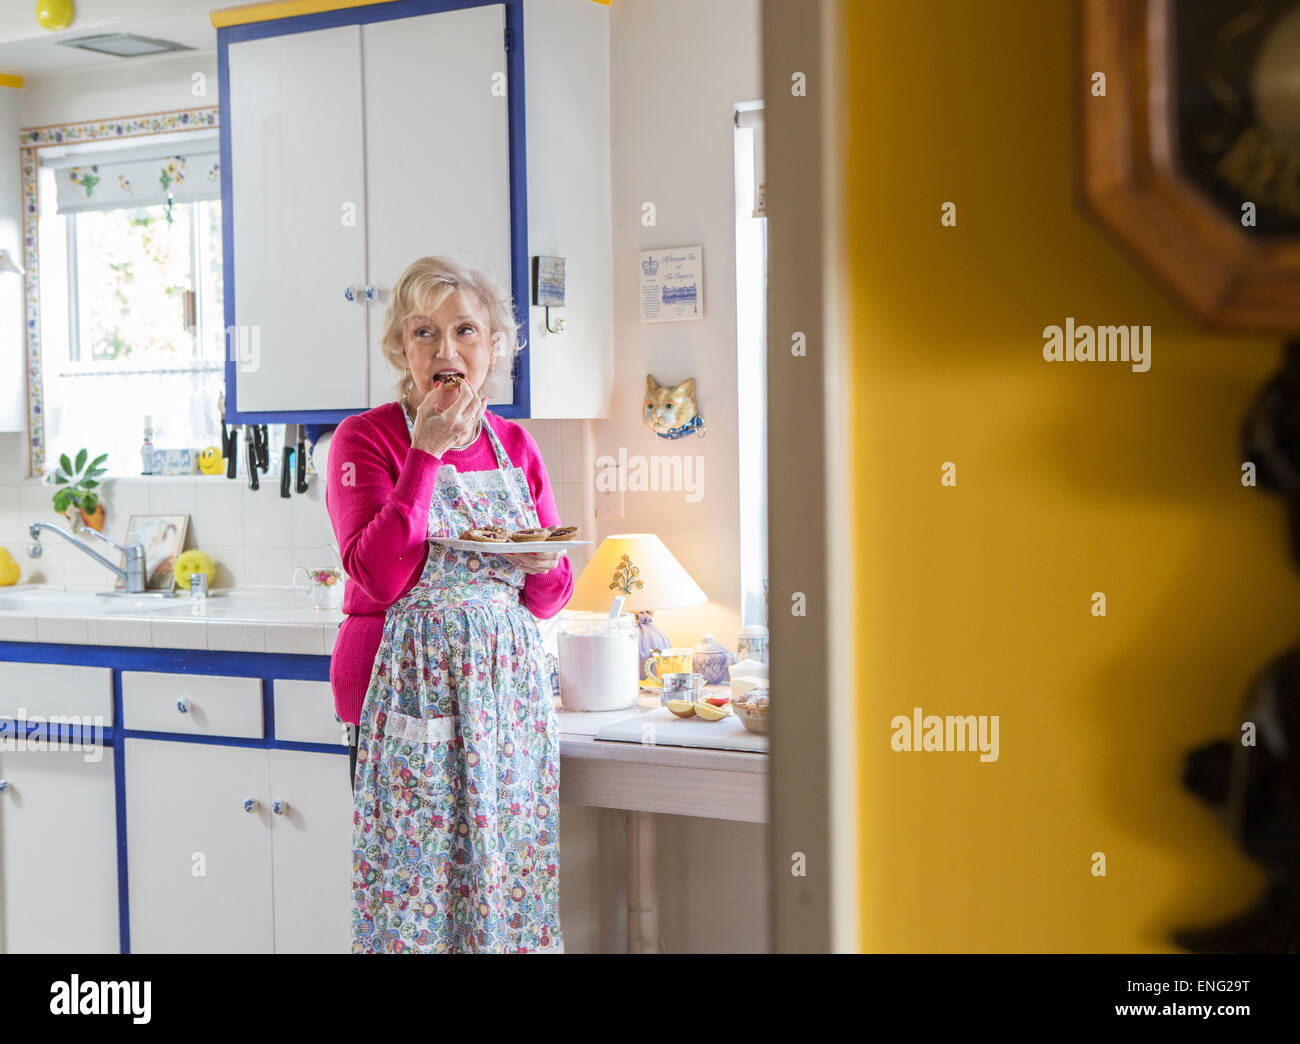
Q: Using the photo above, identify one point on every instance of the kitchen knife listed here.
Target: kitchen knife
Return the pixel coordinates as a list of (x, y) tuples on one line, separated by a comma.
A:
[(250, 444), (301, 485), (263, 442), (229, 438), (285, 455)]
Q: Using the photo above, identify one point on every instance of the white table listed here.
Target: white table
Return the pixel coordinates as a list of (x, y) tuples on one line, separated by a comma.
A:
[(641, 779)]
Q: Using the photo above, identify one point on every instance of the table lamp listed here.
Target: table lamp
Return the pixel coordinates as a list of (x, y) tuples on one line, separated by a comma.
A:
[(639, 567)]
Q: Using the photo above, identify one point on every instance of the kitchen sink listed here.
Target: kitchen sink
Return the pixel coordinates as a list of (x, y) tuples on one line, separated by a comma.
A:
[(63, 602)]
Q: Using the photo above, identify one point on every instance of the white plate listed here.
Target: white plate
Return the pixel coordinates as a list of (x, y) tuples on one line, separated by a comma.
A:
[(521, 547)]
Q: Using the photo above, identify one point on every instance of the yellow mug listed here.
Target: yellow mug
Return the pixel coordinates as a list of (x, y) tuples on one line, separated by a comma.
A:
[(668, 661)]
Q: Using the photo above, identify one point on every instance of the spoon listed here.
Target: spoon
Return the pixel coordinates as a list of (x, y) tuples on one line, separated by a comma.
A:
[(615, 608)]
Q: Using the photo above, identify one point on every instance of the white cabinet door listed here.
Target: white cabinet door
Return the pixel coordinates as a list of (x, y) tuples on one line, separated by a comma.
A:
[(199, 865), (312, 849), (58, 853), (437, 152), (298, 214)]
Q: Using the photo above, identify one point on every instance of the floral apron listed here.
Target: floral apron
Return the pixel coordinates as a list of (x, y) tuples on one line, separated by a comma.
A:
[(456, 826)]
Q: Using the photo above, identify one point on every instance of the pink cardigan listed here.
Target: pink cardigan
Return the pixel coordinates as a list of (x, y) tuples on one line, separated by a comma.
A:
[(381, 520)]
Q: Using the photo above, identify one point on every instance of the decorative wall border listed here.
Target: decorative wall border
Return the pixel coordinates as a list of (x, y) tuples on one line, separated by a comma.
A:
[(30, 141)]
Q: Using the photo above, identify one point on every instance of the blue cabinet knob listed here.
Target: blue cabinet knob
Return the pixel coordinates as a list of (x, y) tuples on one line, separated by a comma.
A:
[(250, 804), (4, 785), (371, 293), (183, 706), (279, 807)]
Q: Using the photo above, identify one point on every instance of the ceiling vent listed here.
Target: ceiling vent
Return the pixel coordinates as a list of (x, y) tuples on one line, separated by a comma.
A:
[(124, 45)]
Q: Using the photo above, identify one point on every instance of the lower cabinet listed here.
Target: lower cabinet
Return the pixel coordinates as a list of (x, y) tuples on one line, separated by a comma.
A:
[(237, 849), (58, 852)]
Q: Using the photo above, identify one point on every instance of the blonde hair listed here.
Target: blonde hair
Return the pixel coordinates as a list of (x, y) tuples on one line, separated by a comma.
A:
[(421, 290)]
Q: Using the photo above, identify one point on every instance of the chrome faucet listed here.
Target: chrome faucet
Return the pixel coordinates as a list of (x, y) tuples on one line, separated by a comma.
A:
[(133, 554)]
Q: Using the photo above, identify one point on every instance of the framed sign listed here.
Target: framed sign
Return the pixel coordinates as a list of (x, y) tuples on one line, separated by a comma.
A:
[(1190, 121)]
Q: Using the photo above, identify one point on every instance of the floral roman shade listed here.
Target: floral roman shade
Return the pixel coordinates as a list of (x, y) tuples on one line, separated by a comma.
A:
[(190, 174)]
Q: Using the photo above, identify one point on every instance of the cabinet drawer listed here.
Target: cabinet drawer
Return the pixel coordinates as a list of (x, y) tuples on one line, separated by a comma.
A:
[(55, 690), (213, 705), (304, 712)]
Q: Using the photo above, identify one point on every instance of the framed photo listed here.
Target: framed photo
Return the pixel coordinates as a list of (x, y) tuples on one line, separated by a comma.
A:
[(1190, 150), (163, 537)]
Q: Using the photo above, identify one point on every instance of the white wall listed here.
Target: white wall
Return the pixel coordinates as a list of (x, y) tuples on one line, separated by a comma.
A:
[(156, 85), (677, 67)]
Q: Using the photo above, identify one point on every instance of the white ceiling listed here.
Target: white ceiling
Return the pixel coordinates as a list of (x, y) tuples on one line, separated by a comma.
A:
[(28, 50)]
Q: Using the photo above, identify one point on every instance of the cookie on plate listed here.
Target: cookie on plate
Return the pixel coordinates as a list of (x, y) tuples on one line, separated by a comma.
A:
[(485, 535), (563, 533), (528, 536)]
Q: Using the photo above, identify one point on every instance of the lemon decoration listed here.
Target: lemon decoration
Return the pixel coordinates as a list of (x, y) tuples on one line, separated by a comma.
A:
[(54, 14), (191, 562), (8, 569), (211, 461)]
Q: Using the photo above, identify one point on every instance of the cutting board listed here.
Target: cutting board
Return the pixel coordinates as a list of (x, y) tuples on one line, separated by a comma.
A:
[(672, 731)]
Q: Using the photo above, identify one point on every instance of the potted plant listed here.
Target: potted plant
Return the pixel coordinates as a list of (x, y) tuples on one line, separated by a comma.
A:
[(76, 497)]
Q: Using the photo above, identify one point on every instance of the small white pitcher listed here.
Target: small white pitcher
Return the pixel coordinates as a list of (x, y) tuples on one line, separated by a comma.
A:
[(324, 586)]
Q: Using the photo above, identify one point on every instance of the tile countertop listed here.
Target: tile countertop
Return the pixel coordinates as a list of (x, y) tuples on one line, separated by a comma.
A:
[(267, 619)]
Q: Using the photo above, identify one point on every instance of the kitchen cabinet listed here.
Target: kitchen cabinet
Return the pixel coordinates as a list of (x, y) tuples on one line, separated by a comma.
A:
[(58, 869), (237, 849), (198, 863), (356, 141), (150, 841), (311, 852), (13, 329), (296, 174)]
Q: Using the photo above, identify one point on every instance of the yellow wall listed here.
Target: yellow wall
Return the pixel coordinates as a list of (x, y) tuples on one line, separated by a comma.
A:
[(1072, 478)]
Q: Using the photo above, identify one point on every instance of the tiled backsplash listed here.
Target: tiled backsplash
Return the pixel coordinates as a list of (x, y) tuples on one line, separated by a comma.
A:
[(255, 538)]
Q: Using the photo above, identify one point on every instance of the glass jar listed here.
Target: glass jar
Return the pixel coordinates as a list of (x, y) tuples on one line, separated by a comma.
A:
[(751, 643), (599, 661)]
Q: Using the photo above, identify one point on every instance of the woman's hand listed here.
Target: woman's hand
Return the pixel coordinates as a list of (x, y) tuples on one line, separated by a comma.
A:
[(538, 561), (437, 432)]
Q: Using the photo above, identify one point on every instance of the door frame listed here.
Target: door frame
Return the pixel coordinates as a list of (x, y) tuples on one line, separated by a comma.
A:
[(814, 815)]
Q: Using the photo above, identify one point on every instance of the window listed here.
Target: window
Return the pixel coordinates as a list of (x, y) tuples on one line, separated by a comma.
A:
[(751, 344), (131, 302)]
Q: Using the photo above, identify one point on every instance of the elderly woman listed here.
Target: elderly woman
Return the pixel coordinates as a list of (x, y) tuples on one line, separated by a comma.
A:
[(439, 662)]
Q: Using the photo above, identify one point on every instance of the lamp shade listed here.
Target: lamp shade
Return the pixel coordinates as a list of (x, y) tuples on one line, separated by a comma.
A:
[(639, 566)]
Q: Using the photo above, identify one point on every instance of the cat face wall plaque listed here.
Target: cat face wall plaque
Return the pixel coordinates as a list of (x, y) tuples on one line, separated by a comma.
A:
[(669, 410), (1191, 148)]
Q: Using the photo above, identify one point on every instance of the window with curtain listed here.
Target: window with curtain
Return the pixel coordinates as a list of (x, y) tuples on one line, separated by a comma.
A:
[(131, 297)]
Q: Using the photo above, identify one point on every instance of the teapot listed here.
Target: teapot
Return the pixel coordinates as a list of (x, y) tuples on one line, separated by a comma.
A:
[(711, 659)]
